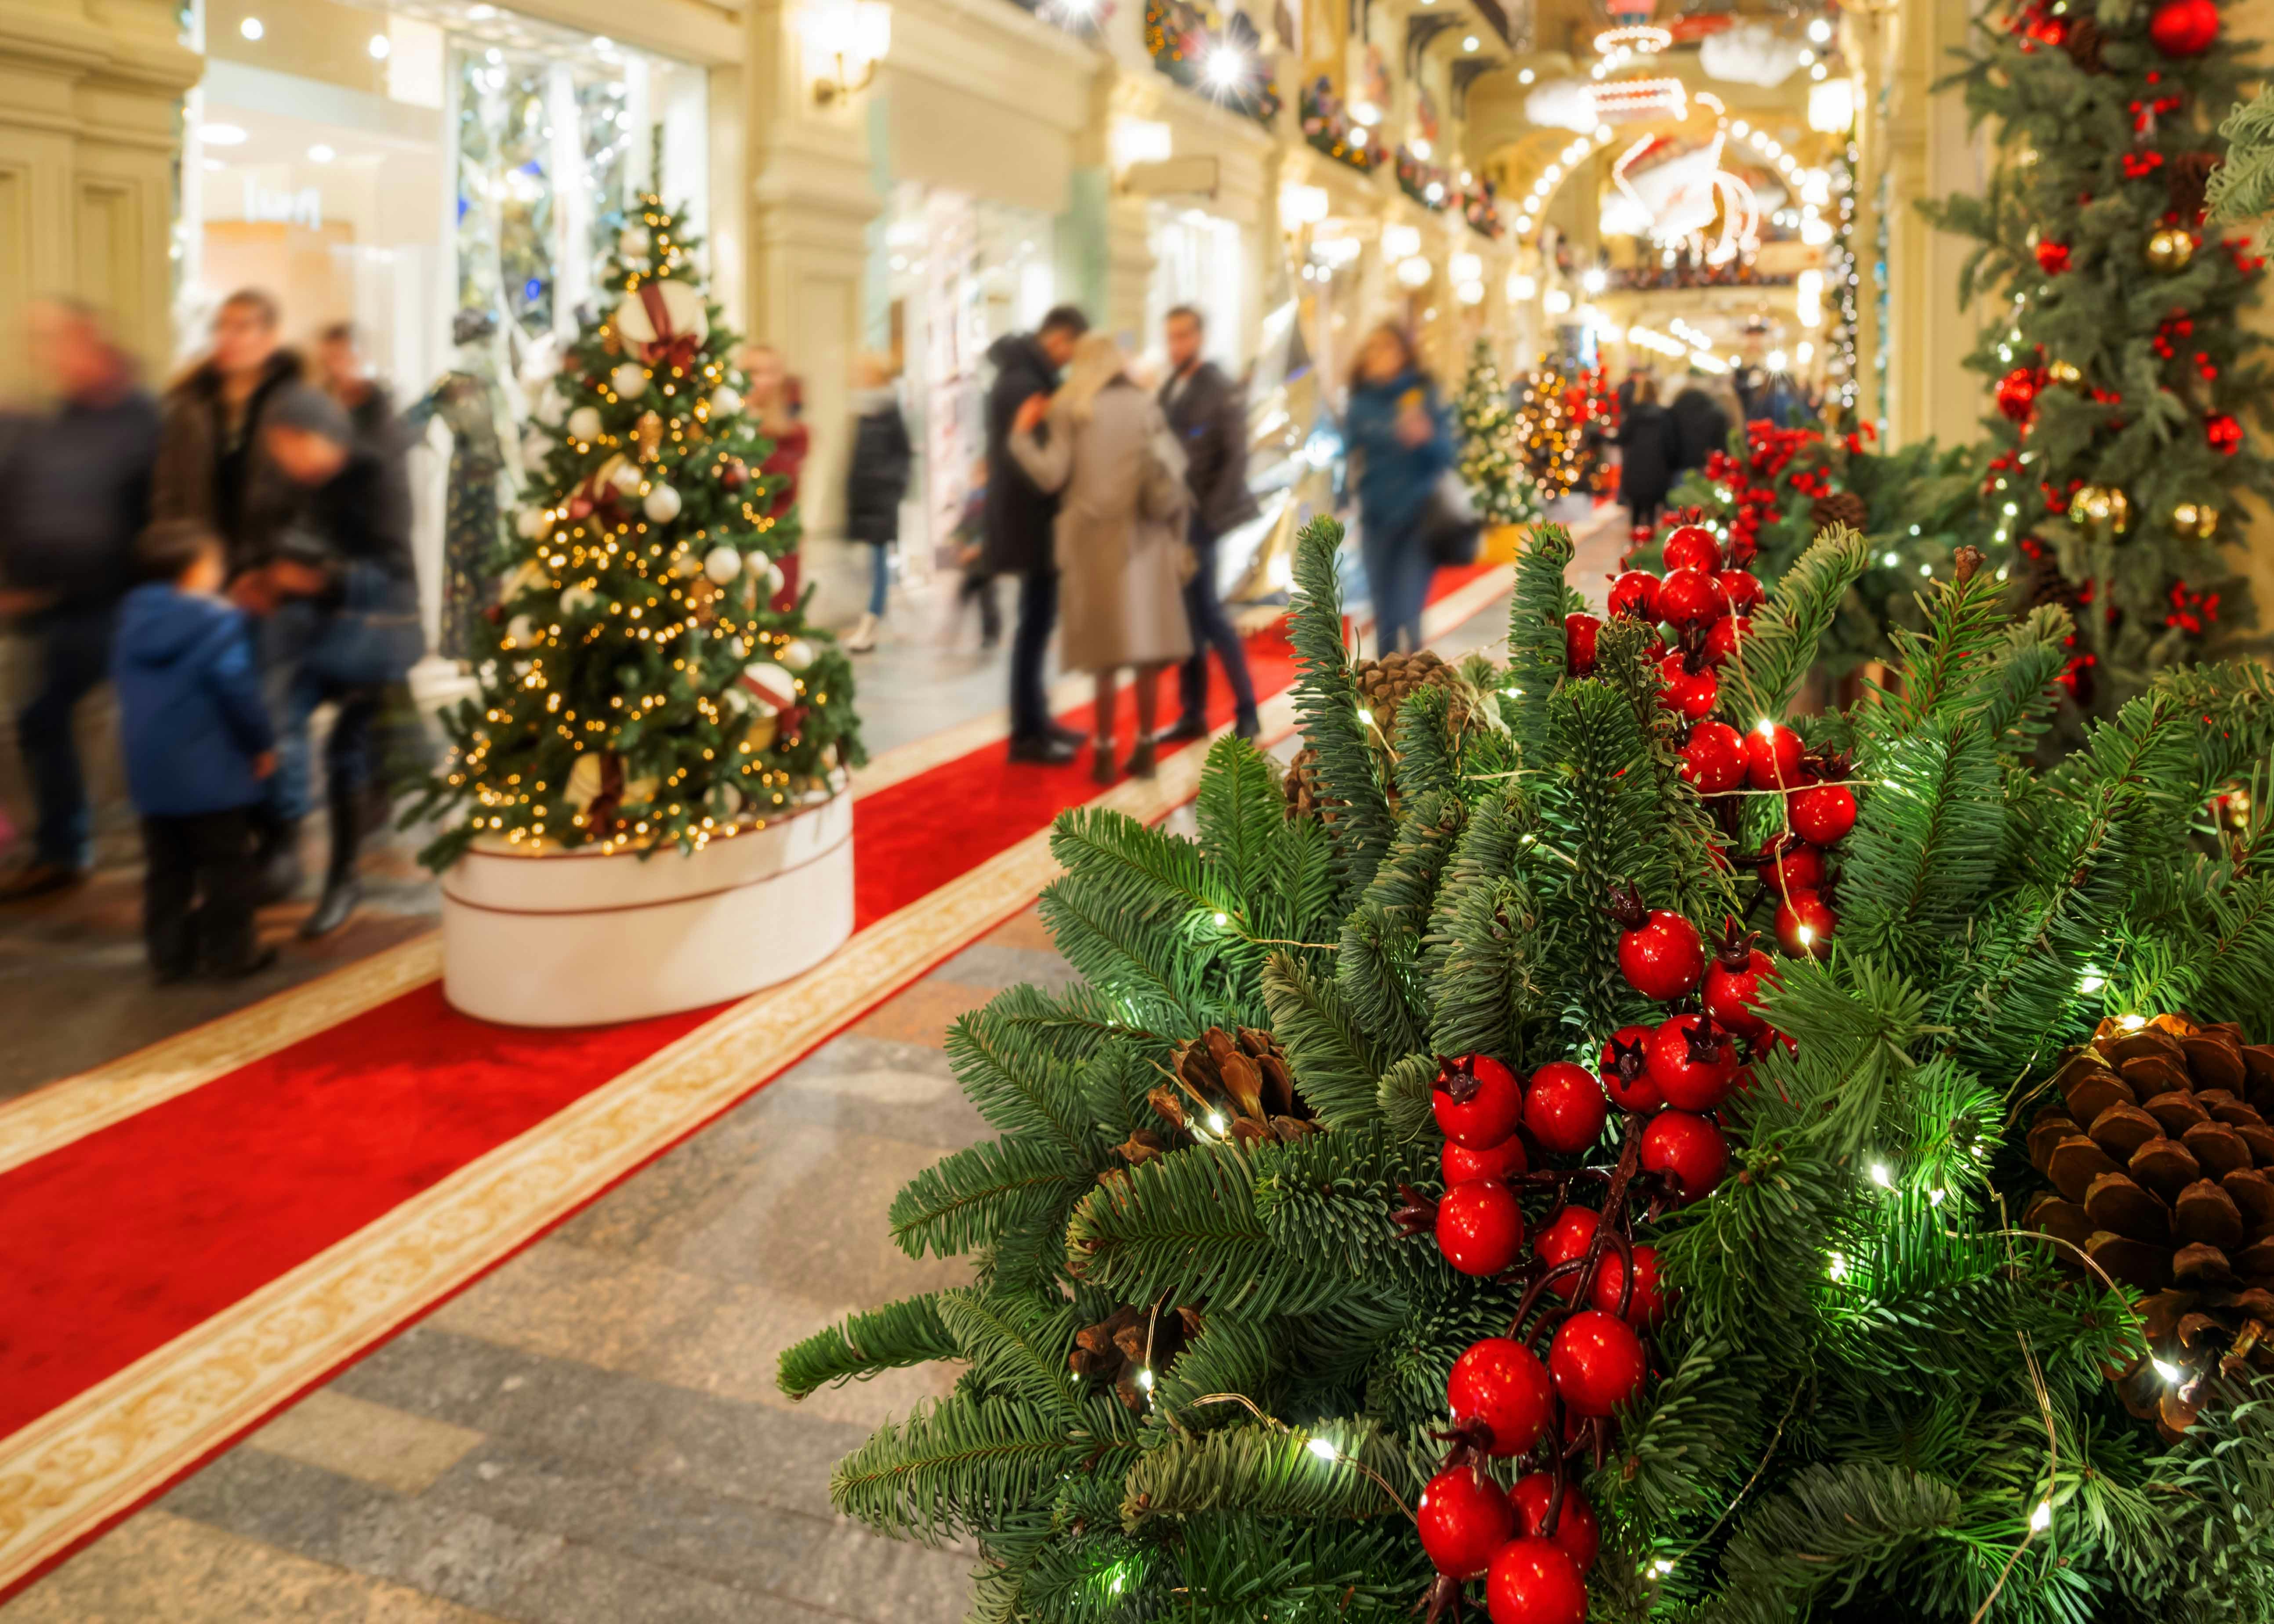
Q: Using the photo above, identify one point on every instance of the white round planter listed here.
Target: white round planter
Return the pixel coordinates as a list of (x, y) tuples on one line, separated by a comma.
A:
[(582, 938)]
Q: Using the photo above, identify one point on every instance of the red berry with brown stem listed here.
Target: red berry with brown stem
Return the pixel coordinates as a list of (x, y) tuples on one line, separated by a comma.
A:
[(1535, 1581), (1743, 589), (1659, 953), (1723, 636), (1690, 598), (1646, 1303), (1563, 1239), (1479, 1226), (1714, 758), (1626, 1069), (1564, 1108), (1500, 1395), (1597, 1363), (1773, 757), (1804, 925), (1579, 631), (1691, 689), (1463, 1165), (1576, 1529), (1732, 983), (1635, 595), (1692, 546), (1476, 1100), (1465, 1519), (1821, 813), (1788, 863), (1687, 1150), (1692, 1061)]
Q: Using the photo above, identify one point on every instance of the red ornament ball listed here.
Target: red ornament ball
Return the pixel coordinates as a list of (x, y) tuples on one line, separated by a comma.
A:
[(1576, 1529), (1691, 694), (733, 473), (580, 506), (2223, 433), (1743, 589), (1687, 1149), (1499, 1392), (1635, 594), (1733, 987), (1804, 925), (1476, 1100), (1692, 1062), (1661, 956), (1723, 636), (1535, 1581), (2017, 392), (1503, 1161), (1564, 1108), (2184, 27), (1626, 1069), (1773, 757), (1822, 814), (1692, 546), (1563, 1239), (1479, 1226), (1465, 1518), (1690, 598), (1713, 757), (1579, 643), (1597, 1363), (1646, 1303), (2052, 257)]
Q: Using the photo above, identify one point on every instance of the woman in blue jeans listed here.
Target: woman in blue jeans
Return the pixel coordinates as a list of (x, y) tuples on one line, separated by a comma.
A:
[(1397, 427)]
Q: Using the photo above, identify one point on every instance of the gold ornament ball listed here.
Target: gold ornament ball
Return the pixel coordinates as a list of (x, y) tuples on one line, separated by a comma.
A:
[(2062, 372), (2199, 520), (2169, 249), (2100, 504)]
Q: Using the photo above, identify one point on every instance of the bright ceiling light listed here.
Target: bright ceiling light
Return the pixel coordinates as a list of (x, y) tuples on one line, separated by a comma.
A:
[(221, 135), (1227, 65), (1422, 147), (381, 48), (252, 29), (1471, 42), (320, 153), (1820, 31)]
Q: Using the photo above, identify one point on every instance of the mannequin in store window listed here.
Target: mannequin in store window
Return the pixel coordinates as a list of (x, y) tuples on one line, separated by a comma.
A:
[(466, 399)]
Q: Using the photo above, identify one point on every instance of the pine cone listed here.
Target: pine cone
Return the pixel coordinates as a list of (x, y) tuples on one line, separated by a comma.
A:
[(2082, 42), (1234, 1087), (2185, 175), (2160, 1153), (1840, 507), (1128, 1341), (1385, 684)]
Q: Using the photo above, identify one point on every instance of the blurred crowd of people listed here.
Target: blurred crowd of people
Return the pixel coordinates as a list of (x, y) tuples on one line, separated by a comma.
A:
[(1659, 440)]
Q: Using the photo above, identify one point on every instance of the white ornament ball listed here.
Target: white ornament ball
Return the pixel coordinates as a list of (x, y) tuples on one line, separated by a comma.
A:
[(775, 580), (797, 654), (725, 402), (722, 565), (522, 629), (550, 404), (584, 423), (584, 780), (534, 522), (628, 379), (738, 648), (764, 677), (625, 477), (686, 566), (662, 504), (535, 447), (578, 599), (633, 243)]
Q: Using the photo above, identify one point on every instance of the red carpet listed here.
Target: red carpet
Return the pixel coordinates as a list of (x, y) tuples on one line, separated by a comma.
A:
[(122, 1240)]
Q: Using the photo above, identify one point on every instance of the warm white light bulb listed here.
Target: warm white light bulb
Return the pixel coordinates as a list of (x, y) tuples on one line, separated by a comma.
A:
[(2042, 1518), (1321, 1447)]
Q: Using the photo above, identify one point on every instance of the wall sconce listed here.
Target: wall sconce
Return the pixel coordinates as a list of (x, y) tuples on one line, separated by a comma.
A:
[(854, 35), (1302, 205), (1832, 105), (1140, 141)]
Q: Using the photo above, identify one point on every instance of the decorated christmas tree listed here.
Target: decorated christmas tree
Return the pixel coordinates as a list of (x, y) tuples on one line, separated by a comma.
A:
[(1436, 1191), (1551, 431), (647, 681), (2121, 365), (1492, 459)]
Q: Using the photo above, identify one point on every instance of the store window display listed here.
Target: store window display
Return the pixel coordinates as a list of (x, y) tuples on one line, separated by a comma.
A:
[(469, 401)]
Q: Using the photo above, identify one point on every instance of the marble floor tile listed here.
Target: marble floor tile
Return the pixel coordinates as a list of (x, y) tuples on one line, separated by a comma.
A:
[(1022, 929), (993, 964), (372, 1443), (922, 1013)]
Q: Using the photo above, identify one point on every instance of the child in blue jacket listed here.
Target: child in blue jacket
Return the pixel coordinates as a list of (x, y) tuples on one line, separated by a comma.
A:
[(197, 743)]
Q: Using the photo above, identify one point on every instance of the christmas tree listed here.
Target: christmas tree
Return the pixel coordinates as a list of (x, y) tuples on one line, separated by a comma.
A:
[(1551, 433), (1255, 1331), (1491, 453), (2114, 339), (649, 682)]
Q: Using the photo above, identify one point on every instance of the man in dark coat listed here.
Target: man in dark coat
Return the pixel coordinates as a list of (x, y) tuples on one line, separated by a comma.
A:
[(213, 465), (1646, 455), (1208, 413), (79, 492), (1020, 516), (1700, 426)]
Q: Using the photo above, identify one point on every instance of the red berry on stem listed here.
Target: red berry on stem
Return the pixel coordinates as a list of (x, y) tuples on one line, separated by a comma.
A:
[(1476, 1100), (1690, 598), (1535, 1581), (1635, 594), (1732, 983), (1659, 953), (1462, 1165), (1500, 1391), (1723, 637), (1714, 758), (1688, 1149), (1788, 864), (1804, 925), (1692, 546), (1564, 1108), (1646, 1303), (1823, 813), (1626, 1069), (1563, 1239), (1597, 1362), (1743, 589), (1479, 1226), (1692, 1061), (1691, 693), (1579, 632), (1576, 1529), (1773, 757), (1465, 1518)]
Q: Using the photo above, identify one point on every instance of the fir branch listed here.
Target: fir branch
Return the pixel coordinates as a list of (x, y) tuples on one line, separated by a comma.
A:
[(1765, 672), (1241, 814), (1268, 1472), (1326, 705), (1016, 1345), (2240, 191), (1536, 648), (1925, 851), (965, 1465), (859, 1346), (967, 1199), (1020, 1085), (1834, 1529), (1333, 1059), (1477, 957)]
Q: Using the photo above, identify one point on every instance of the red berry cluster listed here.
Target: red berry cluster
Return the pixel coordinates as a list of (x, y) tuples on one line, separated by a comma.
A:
[(2192, 612), (1753, 481), (1708, 607)]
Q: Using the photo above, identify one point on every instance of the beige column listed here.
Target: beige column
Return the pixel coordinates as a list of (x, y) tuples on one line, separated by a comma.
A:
[(1929, 153), (804, 245), (90, 123)]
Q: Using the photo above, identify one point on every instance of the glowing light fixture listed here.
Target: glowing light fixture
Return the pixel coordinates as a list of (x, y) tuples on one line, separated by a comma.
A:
[(252, 29), (851, 36)]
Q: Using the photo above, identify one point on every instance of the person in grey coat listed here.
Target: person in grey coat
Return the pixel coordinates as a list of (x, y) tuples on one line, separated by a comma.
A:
[(1102, 446), (1208, 412)]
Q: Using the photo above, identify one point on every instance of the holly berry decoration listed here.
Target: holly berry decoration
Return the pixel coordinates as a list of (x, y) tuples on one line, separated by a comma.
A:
[(1741, 589), (2223, 433), (1804, 925), (2052, 257), (1788, 863), (1564, 1108), (1535, 1581), (1713, 757), (1465, 1518), (1563, 1239), (1690, 598), (1597, 1363), (1476, 1100), (1693, 547), (1733, 982), (1773, 753), (1579, 632), (1692, 1061), (1646, 1307), (1500, 1395), (1726, 634), (1822, 814), (2017, 392), (1659, 953), (1687, 1151), (1479, 1226), (2184, 27), (1691, 689), (1503, 1161), (1626, 1071), (1635, 594), (1576, 1528)]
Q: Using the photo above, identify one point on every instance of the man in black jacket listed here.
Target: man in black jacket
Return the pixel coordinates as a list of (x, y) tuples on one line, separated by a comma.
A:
[(1700, 426), (1020, 516), (1208, 412), (79, 492)]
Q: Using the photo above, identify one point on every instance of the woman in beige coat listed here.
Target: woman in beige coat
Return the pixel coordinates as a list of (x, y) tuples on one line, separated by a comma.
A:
[(1120, 542)]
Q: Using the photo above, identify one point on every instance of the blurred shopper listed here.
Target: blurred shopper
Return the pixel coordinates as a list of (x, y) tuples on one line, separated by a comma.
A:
[(1208, 413), (78, 492), (198, 744), (349, 558), (977, 586), (774, 401), (1647, 453), (346, 376), (1396, 428), (1019, 518), (1103, 445), (876, 481), (213, 465), (1701, 427)]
